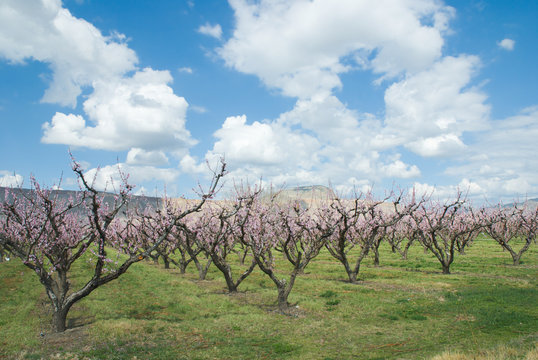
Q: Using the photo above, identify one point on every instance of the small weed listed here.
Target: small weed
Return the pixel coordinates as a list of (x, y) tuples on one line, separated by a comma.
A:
[(332, 302), (282, 348), (328, 294), (389, 316)]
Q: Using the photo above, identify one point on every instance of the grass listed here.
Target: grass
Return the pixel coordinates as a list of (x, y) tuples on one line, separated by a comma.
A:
[(402, 309)]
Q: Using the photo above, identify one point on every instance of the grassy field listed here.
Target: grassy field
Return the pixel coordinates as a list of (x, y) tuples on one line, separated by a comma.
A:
[(402, 309)]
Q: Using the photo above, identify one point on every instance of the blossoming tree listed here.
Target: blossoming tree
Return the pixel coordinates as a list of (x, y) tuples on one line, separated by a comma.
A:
[(50, 234)]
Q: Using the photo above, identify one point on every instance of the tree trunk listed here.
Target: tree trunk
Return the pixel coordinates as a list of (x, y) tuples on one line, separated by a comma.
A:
[(227, 272), (352, 275), (202, 270), (284, 289), (166, 262), (376, 256), (232, 287), (59, 319), (446, 269), (283, 293)]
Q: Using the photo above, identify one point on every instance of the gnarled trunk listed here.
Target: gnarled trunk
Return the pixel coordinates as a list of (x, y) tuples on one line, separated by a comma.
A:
[(202, 270), (59, 319)]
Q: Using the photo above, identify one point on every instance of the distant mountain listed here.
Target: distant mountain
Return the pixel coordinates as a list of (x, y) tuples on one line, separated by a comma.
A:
[(140, 202), (307, 196), (531, 203)]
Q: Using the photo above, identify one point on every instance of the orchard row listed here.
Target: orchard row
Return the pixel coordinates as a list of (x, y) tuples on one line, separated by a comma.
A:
[(49, 235)]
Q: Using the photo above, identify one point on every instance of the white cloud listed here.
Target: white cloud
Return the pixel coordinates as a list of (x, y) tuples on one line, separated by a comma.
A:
[(503, 160), (438, 146), (10, 179), (198, 109), (126, 108), (270, 151), (261, 144), (507, 44), (137, 156), (298, 46), (428, 112), (76, 51), (211, 30), (189, 165), (399, 169), (302, 47), (470, 190), (185, 69), (136, 112), (108, 178), (311, 144), (327, 117)]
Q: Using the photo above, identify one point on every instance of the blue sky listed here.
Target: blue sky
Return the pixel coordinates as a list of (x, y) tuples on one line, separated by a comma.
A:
[(436, 95)]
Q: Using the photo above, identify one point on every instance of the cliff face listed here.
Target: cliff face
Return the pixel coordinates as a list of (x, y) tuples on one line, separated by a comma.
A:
[(307, 196)]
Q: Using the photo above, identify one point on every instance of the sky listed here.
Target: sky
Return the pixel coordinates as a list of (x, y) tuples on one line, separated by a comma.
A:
[(354, 94)]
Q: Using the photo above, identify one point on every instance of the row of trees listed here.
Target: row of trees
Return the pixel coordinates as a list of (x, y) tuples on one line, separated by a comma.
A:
[(279, 237)]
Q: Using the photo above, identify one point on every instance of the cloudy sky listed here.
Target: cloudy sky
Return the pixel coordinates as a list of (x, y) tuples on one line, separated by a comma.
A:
[(352, 93)]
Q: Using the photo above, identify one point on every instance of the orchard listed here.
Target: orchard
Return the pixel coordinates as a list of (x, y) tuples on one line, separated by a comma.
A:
[(248, 232)]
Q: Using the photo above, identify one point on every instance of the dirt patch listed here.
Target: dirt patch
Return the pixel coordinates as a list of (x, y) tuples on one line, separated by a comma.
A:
[(71, 339), (293, 311), (74, 338)]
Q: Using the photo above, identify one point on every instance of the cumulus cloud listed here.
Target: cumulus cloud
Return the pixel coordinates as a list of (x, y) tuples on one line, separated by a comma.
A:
[(109, 178), (135, 112), (211, 30), (10, 179), (261, 144), (399, 169), (137, 156), (470, 190), (299, 46), (438, 146), (429, 111), (127, 108), (188, 164), (503, 160), (302, 48), (507, 44), (328, 117), (76, 51), (301, 147)]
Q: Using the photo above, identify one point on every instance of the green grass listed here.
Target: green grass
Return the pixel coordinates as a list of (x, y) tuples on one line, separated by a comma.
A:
[(402, 309)]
